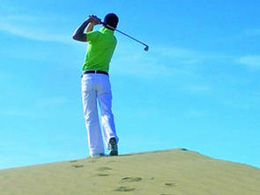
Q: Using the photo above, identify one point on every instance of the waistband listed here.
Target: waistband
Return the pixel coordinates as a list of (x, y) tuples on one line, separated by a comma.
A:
[(95, 72)]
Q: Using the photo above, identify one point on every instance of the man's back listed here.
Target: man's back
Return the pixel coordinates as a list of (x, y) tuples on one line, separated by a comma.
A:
[(100, 49)]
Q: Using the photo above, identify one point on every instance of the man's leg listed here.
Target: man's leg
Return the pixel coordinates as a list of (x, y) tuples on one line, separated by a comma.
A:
[(105, 102), (89, 99)]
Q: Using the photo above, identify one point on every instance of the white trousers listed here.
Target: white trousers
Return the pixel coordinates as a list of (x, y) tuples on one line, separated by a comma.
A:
[(96, 88)]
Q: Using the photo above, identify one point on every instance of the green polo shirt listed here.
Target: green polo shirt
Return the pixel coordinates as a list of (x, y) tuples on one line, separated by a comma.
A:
[(101, 46)]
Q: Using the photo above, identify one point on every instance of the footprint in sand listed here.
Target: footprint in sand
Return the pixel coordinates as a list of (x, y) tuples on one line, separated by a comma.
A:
[(124, 189), (131, 179), (102, 174), (167, 194), (104, 169), (170, 184), (77, 166)]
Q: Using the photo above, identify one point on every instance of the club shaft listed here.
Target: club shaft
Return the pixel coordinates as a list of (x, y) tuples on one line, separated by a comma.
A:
[(127, 35), (130, 37)]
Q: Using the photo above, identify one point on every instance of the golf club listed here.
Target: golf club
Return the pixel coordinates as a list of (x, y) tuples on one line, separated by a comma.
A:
[(146, 46)]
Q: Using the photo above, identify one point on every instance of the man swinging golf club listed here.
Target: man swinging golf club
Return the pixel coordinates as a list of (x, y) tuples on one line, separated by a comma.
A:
[(95, 84)]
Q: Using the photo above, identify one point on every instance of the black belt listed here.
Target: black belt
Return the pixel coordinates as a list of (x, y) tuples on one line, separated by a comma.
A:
[(95, 72)]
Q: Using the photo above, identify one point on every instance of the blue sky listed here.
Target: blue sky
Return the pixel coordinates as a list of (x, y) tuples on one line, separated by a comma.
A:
[(198, 87)]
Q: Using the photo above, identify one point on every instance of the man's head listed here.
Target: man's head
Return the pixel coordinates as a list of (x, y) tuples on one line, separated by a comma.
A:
[(112, 20)]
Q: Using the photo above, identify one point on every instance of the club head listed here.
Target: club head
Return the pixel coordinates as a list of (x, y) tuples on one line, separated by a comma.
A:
[(146, 48)]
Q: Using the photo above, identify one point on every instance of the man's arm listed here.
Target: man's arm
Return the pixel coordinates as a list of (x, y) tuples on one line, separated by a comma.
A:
[(79, 34)]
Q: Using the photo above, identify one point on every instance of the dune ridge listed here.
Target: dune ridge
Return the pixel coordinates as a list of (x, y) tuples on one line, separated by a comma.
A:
[(169, 172)]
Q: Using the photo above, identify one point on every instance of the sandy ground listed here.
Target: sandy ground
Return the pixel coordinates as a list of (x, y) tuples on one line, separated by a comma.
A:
[(172, 172)]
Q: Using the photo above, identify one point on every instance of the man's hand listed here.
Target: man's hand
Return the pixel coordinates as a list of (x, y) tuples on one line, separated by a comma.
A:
[(94, 19)]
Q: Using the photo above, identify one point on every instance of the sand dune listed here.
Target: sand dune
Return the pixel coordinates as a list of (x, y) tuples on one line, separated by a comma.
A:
[(172, 172)]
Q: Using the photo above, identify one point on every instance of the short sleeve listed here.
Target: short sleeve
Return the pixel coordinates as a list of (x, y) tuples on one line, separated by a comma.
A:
[(92, 36)]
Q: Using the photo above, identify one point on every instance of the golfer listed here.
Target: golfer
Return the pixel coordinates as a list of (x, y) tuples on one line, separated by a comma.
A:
[(95, 84)]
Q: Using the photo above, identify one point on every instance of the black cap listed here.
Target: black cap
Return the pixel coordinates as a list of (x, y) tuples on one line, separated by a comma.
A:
[(111, 19)]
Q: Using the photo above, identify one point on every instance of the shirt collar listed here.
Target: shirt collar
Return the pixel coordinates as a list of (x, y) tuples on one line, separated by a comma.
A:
[(106, 30)]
